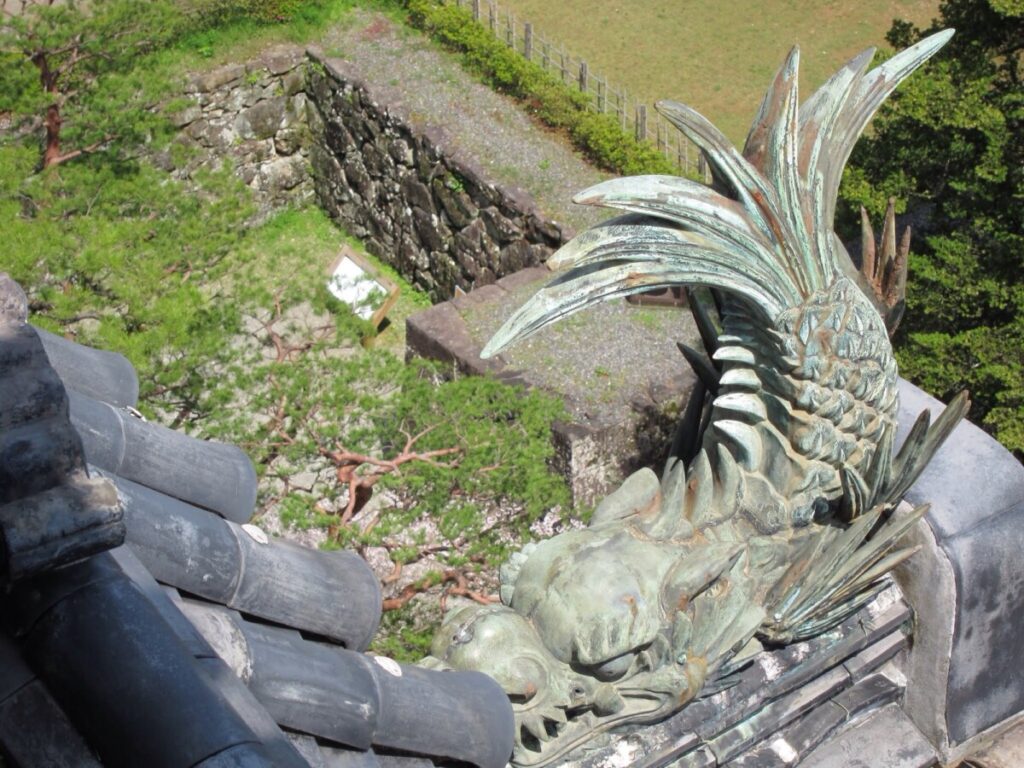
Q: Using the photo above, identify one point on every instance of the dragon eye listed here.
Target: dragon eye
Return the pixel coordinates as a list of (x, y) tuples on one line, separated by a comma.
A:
[(463, 636)]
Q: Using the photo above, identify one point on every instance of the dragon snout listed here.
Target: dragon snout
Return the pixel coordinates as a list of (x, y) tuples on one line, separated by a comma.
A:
[(498, 641)]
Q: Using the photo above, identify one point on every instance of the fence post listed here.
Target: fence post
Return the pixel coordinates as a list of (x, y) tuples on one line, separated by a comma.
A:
[(528, 41), (545, 55), (602, 101), (476, 10), (641, 122), (583, 76), (492, 18), (562, 69), (510, 31)]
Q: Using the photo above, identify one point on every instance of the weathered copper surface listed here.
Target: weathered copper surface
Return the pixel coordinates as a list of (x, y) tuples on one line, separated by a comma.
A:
[(775, 517)]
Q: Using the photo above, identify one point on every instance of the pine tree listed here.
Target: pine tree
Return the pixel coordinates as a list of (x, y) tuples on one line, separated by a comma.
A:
[(70, 67)]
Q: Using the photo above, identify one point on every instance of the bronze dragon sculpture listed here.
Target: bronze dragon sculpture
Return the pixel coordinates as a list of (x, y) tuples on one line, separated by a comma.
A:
[(776, 514)]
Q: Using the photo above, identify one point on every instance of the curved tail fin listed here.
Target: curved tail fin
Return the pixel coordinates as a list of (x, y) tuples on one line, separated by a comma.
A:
[(763, 233)]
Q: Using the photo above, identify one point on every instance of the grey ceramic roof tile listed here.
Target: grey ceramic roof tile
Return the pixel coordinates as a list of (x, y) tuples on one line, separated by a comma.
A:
[(103, 375), (53, 514), (333, 594), (34, 732), (135, 677), (976, 491), (167, 602), (357, 700), (778, 714), (59, 525), (50, 512), (779, 687), (322, 755), (971, 477), (211, 475), (116, 668), (884, 738), (795, 741)]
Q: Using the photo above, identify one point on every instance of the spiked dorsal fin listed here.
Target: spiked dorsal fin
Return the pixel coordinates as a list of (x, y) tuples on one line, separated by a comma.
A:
[(772, 147)]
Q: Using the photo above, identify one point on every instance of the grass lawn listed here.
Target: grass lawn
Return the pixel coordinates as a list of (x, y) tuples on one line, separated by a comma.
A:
[(716, 57)]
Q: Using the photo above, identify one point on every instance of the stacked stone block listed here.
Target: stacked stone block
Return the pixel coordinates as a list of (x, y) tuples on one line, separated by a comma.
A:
[(410, 195), (254, 116)]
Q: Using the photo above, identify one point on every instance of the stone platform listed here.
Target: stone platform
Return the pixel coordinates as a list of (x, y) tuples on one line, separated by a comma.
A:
[(615, 365)]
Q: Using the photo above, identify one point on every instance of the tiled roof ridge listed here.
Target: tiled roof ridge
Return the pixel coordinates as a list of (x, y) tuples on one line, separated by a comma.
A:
[(52, 513), (103, 641), (75, 618)]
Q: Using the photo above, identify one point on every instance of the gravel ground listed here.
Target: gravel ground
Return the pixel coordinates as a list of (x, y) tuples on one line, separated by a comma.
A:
[(496, 131)]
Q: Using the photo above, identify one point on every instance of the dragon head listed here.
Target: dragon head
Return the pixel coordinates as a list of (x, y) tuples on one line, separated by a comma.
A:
[(597, 631), (558, 705)]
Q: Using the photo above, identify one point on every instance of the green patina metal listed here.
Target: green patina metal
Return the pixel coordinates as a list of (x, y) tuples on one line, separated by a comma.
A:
[(776, 515)]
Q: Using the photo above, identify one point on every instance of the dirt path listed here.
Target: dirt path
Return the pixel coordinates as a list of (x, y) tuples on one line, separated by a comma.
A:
[(489, 127)]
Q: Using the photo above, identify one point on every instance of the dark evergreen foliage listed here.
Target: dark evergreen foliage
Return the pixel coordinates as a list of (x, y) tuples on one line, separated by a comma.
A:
[(950, 147)]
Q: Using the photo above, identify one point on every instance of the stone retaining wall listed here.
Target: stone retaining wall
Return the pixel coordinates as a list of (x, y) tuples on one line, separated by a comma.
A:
[(296, 126), (413, 199), (254, 115)]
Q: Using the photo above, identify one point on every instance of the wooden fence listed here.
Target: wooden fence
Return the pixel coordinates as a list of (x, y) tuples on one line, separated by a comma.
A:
[(646, 123)]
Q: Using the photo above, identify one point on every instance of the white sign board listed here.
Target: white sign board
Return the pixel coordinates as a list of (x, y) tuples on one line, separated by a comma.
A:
[(356, 283), (351, 284)]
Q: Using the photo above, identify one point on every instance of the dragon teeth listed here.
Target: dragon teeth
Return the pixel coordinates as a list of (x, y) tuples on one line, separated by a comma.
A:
[(556, 715), (534, 724)]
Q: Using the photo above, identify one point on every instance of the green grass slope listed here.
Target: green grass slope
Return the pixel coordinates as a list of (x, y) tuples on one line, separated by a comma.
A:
[(716, 57)]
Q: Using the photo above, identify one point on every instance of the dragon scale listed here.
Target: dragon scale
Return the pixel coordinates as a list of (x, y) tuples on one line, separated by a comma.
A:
[(795, 404), (776, 515)]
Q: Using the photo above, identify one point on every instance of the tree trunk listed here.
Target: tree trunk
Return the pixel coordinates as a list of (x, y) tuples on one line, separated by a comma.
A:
[(51, 154), (48, 80)]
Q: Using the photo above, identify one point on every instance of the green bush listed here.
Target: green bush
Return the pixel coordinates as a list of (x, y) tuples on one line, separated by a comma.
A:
[(273, 11), (371, 403), (118, 255), (950, 145), (216, 13), (599, 136)]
